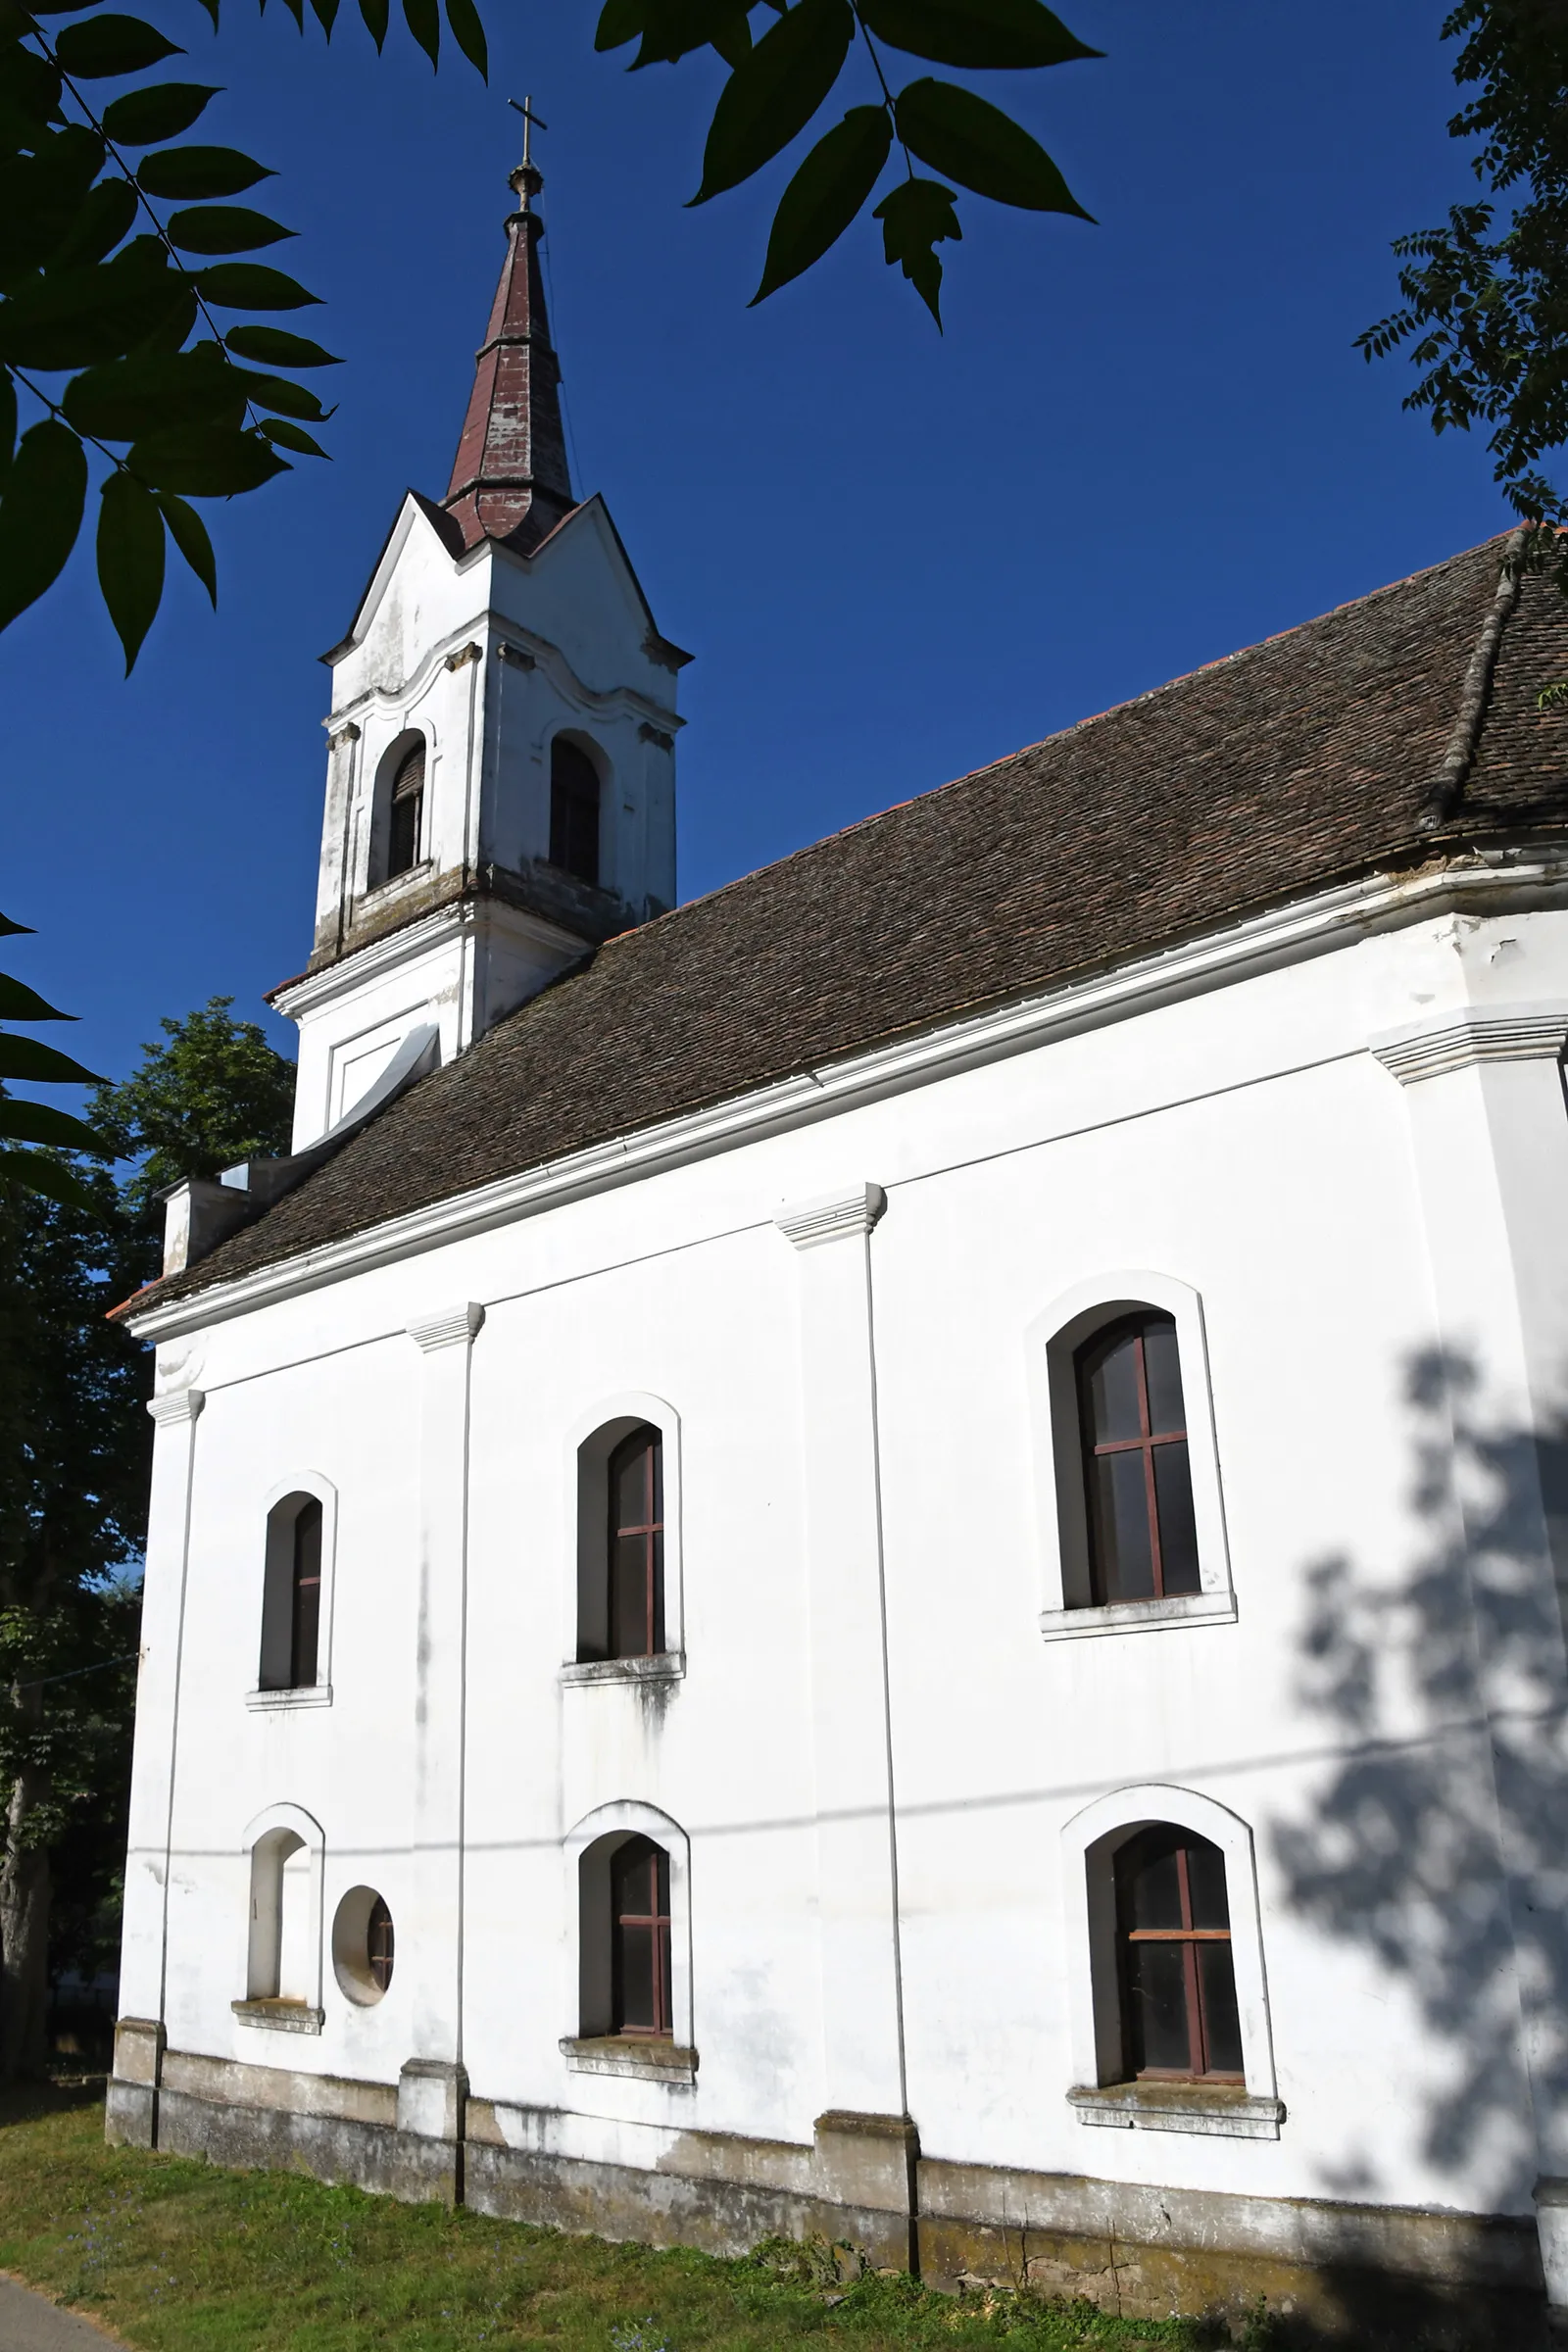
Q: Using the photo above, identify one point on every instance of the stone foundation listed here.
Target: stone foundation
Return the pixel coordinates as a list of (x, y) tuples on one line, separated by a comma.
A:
[(1354, 2276)]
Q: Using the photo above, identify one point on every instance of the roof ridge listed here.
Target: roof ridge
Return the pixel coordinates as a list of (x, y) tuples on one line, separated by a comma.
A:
[(875, 816), (1443, 794)]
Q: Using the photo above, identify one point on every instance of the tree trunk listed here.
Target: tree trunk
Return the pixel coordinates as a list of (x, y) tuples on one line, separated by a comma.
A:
[(24, 1937)]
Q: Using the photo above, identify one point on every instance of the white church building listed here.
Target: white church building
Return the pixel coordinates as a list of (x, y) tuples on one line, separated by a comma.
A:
[(884, 1556)]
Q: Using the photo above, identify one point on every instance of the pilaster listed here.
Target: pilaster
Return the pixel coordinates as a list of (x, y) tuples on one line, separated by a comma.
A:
[(154, 1759), (432, 2091), (1489, 1127), (857, 1865)]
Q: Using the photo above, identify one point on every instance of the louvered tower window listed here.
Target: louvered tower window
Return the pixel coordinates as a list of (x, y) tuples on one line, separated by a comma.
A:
[(407, 815), (574, 810)]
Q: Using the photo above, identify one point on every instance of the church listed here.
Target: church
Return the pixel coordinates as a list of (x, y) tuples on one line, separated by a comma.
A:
[(883, 1557)]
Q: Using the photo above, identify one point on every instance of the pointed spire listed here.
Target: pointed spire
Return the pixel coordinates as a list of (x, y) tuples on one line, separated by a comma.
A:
[(510, 478)]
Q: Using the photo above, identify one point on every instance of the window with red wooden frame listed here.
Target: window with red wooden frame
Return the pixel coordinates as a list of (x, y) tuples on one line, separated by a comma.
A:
[(1179, 2021), (640, 1959), (636, 1546), (1143, 1539), (305, 1598)]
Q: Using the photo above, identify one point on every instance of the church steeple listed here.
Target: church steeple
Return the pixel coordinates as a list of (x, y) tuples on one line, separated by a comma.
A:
[(510, 478)]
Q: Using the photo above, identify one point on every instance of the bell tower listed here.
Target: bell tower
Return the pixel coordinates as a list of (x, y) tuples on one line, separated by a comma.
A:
[(501, 772)]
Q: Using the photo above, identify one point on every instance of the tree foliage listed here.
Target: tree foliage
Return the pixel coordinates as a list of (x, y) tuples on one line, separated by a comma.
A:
[(1485, 298), (131, 355), (28, 1059), (74, 1460), (215, 1093)]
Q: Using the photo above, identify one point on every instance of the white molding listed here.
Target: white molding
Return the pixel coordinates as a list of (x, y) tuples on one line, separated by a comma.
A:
[(1139, 1616), (271, 1703), (278, 2017), (663, 1666), (178, 1406), (408, 944), (832, 1216), (507, 636), (1270, 942), (458, 1326), (631, 1817), (650, 2061), (1051, 1343), (1459, 1041), (1210, 2115), (1089, 1923)]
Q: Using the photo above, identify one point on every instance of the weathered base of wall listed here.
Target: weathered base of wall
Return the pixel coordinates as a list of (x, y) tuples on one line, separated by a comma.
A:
[(1345, 2274)]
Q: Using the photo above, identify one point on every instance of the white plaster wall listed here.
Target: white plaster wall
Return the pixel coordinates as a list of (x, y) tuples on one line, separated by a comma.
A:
[(1244, 1142)]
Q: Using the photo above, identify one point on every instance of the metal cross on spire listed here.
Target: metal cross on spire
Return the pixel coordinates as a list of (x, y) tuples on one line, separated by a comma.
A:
[(530, 120)]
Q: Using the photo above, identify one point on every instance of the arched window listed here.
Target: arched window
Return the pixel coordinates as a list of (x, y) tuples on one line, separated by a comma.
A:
[(406, 813), (574, 810), (635, 1547), (640, 1940), (1180, 2018), (281, 1958), (1143, 1540), (291, 1606)]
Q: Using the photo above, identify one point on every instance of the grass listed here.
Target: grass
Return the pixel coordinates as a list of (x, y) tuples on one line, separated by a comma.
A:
[(179, 2256)]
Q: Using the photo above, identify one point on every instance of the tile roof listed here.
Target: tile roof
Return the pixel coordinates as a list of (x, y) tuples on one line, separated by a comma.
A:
[(1298, 764)]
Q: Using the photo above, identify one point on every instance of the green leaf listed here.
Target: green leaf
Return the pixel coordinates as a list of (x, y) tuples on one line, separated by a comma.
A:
[(374, 13), (11, 930), (916, 218), (223, 228), (278, 349), (619, 21), (41, 196), (975, 32), (326, 15), (154, 392), (30, 96), (251, 286), (205, 462), (162, 112), (37, 1064), (774, 92), (107, 213), (40, 515), (130, 559), (972, 141), (111, 44), (277, 392), (19, 1002), (73, 318), (33, 1172), (42, 1123), (291, 436), (733, 39), (190, 534), (825, 194), (8, 423), (468, 31), (424, 19), (184, 172), (673, 29)]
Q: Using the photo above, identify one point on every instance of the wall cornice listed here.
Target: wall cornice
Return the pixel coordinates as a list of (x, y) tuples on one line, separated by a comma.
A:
[(832, 1218), (461, 918), (456, 1327), (1476, 1033), (509, 638), (178, 1406), (1271, 941)]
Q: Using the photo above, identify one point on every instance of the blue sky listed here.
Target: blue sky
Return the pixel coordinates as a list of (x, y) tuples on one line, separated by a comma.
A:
[(896, 556)]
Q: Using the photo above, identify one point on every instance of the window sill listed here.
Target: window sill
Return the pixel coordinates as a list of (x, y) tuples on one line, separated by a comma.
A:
[(627, 2054), (1139, 1616), (665, 1666), (279, 2017), (309, 1695), (1213, 2110), (390, 888)]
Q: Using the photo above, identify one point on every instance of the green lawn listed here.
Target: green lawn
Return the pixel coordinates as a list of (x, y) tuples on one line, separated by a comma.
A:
[(180, 2257)]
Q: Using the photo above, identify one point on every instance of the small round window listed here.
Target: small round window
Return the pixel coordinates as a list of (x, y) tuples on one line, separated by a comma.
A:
[(364, 1944)]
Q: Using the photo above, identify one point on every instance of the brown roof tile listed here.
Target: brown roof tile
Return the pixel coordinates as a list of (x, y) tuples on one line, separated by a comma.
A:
[(1301, 763)]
